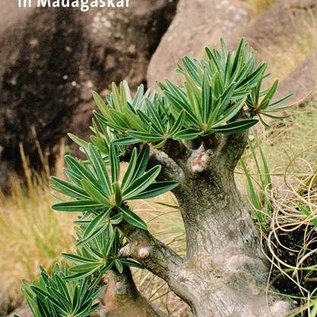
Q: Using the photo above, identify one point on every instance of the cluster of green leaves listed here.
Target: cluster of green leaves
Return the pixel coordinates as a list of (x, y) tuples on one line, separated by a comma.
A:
[(102, 198), (54, 296), (221, 93), (100, 195), (99, 256)]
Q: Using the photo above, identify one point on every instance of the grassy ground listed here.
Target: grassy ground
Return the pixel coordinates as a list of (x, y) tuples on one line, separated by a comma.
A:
[(30, 235)]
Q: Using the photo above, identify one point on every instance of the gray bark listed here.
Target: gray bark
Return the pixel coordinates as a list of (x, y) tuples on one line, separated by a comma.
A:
[(224, 273)]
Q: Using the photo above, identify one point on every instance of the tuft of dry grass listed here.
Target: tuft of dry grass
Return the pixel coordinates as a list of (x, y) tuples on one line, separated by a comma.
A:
[(290, 237), (30, 235), (291, 146)]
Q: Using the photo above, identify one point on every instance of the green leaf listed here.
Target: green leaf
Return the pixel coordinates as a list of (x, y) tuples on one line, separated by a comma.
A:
[(146, 136), (117, 193), (133, 219), (95, 193), (100, 168), (187, 134), (114, 163), (268, 97), (157, 189), (78, 140), (191, 66), (230, 113), (67, 188), (277, 103), (236, 126), (252, 193), (126, 140), (128, 176), (130, 263), (79, 169), (82, 271), (206, 98), (77, 206), (95, 227), (100, 103), (141, 183), (142, 162), (116, 219), (119, 266), (77, 259), (177, 125)]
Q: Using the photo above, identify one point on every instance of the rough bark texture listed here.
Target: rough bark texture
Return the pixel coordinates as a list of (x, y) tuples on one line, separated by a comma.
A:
[(224, 273), (122, 298)]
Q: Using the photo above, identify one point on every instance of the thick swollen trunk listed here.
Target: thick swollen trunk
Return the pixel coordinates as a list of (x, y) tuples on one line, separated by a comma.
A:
[(225, 273)]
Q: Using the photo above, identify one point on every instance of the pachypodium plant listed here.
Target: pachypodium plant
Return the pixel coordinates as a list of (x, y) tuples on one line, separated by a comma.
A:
[(186, 138)]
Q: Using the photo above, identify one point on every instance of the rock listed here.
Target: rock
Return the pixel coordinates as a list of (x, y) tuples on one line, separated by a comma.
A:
[(51, 60), (285, 34), (22, 311), (197, 24), (302, 82)]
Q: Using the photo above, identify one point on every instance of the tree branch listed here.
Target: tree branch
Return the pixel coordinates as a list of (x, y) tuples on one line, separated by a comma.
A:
[(122, 299), (170, 171), (154, 255), (177, 150), (232, 149)]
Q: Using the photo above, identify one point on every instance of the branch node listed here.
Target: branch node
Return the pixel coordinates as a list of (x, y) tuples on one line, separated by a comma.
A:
[(144, 252), (199, 160)]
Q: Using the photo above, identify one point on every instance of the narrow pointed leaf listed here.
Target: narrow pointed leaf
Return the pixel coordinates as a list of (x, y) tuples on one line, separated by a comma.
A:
[(157, 189), (141, 183), (133, 219), (77, 206), (100, 168), (67, 188), (95, 193), (114, 164), (236, 127)]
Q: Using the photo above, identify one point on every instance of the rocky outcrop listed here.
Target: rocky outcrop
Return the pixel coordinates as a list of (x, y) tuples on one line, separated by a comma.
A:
[(197, 24), (302, 82), (284, 35), (51, 60)]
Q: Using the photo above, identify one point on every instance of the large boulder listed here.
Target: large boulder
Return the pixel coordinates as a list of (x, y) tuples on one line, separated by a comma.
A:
[(51, 60), (284, 35), (197, 24), (302, 82)]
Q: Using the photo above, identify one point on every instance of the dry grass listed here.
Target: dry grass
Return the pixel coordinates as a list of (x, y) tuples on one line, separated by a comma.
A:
[(260, 6), (30, 235), (291, 152), (290, 147)]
